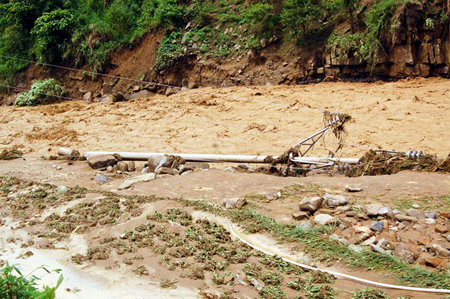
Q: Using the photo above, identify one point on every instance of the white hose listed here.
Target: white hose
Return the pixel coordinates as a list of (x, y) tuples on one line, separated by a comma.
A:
[(374, 283)]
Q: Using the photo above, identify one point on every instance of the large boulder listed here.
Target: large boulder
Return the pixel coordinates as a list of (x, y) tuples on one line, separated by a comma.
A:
[(101, 161), (311, 204)]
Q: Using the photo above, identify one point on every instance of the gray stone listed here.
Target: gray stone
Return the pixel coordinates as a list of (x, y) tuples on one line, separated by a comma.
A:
[(325, 219), (401, 218), (377, 226), (101, 161), (356, 248), (140, 178), (395, 212), (333, 201), (101, 179), (272, 196), (122, 166), (378, 249), (431, 215), (415, 213), (311, 204), (369, 241), (232, 203), (439, 250), (402, 252), (384, 211), (382, 243), (62, 189), (373, 209), (353, 189)]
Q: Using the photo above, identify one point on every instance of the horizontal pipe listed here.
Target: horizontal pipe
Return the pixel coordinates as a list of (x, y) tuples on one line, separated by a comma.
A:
[(220, 158)]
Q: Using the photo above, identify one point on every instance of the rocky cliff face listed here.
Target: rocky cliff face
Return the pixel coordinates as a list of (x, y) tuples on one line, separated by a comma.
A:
[(414, 49)]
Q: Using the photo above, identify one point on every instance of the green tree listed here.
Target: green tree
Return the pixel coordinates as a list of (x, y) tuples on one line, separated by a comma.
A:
[(302, 16)]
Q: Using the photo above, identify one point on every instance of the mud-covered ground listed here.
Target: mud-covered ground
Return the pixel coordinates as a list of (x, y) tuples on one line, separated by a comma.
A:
[(163, 238)]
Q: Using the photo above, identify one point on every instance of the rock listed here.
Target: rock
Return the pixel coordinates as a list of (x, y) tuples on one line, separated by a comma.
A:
[(356, 248), (382, 243), (311, 204), (378, 249), (272, 196), (353, 189), (343, 209), (424, 240), (201, 165), (166, 170), (122, 166), (417, 226), (431, 215), (333, 201), (145, 170), (442, 229), (300, 215), (229, 169), (305, 224), (263, 43), (401, 218), (87, 97), (432, 261), (101, 179), (324, 219), (401, 226), (57, 167), (415, 213), (186, 172), (402, 252), (428, 221), (350, 214), (448, 237), (373, 209), (156, 161), (232, 203), (362, 229), (445, 214), (440, 251), (377, 226), (101, 161), (131, 166), (109, 169), (369, 241), (143, 94), (62, 189), (415, 206)]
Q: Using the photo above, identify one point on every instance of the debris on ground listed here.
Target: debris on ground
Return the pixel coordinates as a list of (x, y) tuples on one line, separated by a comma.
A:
[(10, 154), (381, 163)]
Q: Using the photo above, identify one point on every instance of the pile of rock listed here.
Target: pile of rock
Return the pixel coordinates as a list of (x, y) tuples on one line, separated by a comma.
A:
[(159, 164), (412, 235)]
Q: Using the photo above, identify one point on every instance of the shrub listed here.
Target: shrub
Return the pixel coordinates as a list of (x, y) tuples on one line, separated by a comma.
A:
[(169, 50), (52, 31), (302, 16), (15, 285), (41, 92)]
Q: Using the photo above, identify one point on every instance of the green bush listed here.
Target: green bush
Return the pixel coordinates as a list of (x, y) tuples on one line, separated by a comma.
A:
[(302, 16), (14, 285), (41, 92), (169, 50), (53, 31)]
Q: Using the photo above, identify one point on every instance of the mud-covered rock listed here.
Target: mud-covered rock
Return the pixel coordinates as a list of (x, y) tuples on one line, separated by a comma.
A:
[(122, 166), (415, 213), (101, 161), (234, 203), (402, 252), (440, 251), (333, 201), (442, 229), (325, 219), (310, 204), (401, 218)]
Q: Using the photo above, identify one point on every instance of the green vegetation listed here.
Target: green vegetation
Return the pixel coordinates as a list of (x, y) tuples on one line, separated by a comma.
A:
[(41, 92), (86, 33), (13, 284)]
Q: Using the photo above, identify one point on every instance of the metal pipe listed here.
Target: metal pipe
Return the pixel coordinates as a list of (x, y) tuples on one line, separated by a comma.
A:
[(219, 158)]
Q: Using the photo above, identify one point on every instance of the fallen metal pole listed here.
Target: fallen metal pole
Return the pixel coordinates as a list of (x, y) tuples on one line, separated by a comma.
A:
[(220, 158)]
